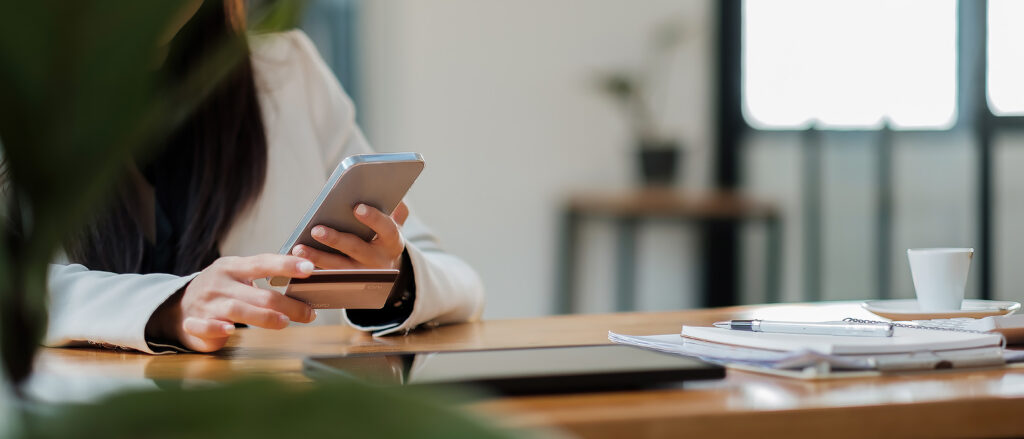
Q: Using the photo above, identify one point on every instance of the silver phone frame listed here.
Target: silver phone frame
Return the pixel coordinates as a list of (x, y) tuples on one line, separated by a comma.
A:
[(332, 182), (350, 162)]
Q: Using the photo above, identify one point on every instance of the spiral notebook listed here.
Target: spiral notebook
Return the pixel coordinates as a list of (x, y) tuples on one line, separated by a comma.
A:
[(904, 340), (818, 356)]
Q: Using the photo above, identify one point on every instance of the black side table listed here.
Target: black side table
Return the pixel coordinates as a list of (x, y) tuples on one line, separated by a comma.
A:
[(628, 210)]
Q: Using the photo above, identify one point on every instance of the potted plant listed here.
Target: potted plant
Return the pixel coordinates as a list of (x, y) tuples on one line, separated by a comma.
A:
[(640, 95)]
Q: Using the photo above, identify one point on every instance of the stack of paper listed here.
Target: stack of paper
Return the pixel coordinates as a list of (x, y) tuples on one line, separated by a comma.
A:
[(814, 355), (903, 340)]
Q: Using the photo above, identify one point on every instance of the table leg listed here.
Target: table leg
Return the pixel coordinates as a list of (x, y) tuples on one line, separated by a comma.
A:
[(773, 259), (625, 279), (719, 275), (565, 283)]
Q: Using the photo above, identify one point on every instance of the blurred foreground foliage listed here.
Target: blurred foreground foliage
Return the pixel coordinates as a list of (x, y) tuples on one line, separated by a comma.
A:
[(264, 409), (79, 98), (78, 95)]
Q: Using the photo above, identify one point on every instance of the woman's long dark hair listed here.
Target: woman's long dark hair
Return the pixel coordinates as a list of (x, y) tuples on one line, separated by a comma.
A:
[(211, 168)]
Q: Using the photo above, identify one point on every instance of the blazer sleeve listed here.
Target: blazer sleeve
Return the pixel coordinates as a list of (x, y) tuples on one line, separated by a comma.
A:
[(103, 308), (447, 289)]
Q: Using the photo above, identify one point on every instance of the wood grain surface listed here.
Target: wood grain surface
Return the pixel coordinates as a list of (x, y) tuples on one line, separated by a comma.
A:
[(976, 403)]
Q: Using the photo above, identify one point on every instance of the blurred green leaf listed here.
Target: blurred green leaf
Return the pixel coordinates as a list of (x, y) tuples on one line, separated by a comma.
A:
[(265, 409), (78, 88), (618, 85), (276, 15), (79, 97)]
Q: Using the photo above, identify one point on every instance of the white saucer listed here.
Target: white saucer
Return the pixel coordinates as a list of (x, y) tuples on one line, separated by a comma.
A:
[(907, 309)]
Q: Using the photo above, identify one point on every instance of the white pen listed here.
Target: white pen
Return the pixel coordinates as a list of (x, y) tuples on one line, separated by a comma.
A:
[(822, 328)]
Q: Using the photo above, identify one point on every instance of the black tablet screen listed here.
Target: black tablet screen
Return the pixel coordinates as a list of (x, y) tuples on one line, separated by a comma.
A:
[(523, 371)]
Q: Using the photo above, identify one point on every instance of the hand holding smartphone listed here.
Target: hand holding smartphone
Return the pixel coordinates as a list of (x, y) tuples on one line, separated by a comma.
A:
[(377, 180)]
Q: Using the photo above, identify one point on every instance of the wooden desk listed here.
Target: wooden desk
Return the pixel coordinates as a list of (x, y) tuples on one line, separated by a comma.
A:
[(629, 210), (946, 404)]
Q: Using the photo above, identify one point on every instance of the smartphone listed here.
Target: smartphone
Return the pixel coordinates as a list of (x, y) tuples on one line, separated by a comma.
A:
[(349, 289), (377, 180)]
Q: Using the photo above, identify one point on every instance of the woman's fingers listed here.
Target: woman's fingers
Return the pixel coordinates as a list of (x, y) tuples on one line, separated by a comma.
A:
[(400, 214), (222, 295), (322, 259), (274, 301), (387, 231), (351, 245), (241, 312), (207, 328), (205, 335), (266, 265), (384, 251)]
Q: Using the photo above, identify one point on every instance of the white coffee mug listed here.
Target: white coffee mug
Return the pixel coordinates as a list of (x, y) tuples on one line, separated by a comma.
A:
[(940, 276)]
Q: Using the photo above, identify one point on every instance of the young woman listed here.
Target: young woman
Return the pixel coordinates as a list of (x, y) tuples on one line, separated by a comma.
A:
[(170, 263)]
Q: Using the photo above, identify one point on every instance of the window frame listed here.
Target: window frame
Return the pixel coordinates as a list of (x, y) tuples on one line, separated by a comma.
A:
[(974, 117)]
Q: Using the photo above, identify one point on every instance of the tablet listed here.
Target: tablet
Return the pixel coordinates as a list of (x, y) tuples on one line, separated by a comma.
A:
[(521, 371)]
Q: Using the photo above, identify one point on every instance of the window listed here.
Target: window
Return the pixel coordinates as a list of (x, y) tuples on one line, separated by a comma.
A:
[(1005, 57), (852, 64)]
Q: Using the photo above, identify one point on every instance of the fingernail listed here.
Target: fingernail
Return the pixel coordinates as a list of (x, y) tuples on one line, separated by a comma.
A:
[(305, 267), (311, 315), (229, 328), (283, 318), (298, 251), (361, 210), (319, 232)]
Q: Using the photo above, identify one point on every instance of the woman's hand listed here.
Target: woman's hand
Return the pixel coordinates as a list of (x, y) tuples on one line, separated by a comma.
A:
[(203, 317), (385, 251)]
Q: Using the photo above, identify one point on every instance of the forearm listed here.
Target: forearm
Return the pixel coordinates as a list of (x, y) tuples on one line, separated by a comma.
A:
[(163, 324), (105, 308), (446, 289), (399, 305)]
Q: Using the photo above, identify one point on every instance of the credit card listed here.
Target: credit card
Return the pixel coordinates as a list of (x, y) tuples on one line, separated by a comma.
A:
[(348, 289)]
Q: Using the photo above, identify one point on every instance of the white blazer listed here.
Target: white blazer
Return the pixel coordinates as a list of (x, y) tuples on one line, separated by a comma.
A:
[(310, 127)]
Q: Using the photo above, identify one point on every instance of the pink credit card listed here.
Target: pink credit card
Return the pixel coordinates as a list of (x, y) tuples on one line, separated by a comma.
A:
[(349, 289)]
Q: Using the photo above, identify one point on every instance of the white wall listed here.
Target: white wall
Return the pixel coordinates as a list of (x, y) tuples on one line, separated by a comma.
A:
[(498, 96)]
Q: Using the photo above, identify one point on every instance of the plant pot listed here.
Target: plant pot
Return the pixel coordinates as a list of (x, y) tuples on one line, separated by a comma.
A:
[(659, 163)]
